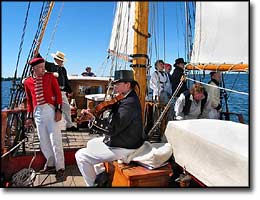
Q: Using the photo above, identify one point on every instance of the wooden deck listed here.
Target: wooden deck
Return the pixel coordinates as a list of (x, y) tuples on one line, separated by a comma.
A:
[(73, 179), (70, 140)]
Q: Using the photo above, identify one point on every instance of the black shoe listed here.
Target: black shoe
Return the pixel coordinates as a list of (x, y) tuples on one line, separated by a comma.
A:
[(73, 128), (60, 175), (48, 170)]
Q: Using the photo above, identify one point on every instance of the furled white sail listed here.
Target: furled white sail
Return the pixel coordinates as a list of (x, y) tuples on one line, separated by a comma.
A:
[(121, 42), (216, 152), (221, 33)]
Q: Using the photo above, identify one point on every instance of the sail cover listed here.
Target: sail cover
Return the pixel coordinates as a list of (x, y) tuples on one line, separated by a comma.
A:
[(221, 33), (213, 151), (121, 42)]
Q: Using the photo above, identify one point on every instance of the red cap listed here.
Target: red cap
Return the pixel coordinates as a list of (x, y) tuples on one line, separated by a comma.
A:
[(166, 65), (36, 61)]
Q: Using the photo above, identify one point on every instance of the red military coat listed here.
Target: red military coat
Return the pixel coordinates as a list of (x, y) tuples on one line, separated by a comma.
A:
[(51, 91)]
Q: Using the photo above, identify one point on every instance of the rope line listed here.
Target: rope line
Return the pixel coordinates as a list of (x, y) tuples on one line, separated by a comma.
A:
[(54, 31), (238, 92), (165, 109)]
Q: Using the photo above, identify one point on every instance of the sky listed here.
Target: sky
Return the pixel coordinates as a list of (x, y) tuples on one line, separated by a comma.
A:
[(83, 34), (13, 15)]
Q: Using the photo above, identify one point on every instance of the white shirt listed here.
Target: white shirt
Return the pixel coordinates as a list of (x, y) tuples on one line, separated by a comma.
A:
[(214, 94), (195, 108), (160, 81)]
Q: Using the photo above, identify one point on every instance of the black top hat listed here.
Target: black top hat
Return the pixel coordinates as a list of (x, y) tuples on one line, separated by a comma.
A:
[(124, 76), (178, 61)]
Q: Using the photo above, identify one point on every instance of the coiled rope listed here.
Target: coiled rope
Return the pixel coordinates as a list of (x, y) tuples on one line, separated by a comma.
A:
[(26, 176)]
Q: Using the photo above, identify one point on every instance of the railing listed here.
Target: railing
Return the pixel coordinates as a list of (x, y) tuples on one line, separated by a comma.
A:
[(228, 114), (13, 131)]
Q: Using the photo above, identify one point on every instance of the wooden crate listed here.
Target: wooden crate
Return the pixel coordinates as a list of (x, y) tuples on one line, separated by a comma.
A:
[(132, 175)]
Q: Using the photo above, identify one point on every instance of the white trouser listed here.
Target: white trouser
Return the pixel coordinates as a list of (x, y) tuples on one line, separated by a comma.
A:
[(66, 110), (49, 135), (97, 152)]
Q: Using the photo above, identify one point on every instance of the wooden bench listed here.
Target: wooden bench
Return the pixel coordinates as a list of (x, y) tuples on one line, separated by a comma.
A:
[(133, 175)]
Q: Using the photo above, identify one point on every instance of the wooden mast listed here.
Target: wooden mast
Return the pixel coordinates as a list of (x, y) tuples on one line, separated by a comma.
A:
[(140, 47), (44, 28)]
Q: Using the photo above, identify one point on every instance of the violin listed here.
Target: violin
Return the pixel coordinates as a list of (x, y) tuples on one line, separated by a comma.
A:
[(101, 107)]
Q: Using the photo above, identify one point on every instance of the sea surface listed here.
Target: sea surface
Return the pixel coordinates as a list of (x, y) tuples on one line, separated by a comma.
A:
[(237, 103)]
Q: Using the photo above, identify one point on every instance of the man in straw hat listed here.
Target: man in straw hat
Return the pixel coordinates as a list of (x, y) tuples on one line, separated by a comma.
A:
[(44, 104), (123, 132), (58, 67)]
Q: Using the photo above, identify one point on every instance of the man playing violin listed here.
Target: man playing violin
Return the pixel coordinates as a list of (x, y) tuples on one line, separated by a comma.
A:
[(123, 134)]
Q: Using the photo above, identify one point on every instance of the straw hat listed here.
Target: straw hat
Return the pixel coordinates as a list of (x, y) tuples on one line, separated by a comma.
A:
[(59, 55)]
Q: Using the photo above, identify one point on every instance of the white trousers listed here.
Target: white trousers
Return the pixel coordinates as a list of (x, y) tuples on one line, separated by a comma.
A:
[(49, 135), (66, 112), (97, 152)]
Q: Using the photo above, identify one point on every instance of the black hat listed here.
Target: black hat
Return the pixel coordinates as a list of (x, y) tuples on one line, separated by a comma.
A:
[(178, 61), (124, 76)]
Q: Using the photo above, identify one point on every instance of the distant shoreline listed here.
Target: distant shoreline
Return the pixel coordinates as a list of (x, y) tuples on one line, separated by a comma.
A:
[(9, 79)]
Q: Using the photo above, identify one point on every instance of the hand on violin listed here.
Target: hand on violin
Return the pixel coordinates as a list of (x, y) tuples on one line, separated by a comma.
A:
[(87, 115)]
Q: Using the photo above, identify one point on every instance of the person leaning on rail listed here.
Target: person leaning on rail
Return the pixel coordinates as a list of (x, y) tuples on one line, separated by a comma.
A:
[(192, 104)]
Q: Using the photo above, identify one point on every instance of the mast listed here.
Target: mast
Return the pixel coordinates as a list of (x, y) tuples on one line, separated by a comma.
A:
[(140, 48), (44, 27)]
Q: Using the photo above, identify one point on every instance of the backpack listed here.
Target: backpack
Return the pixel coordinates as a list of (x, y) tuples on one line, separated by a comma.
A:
[(186, 108)]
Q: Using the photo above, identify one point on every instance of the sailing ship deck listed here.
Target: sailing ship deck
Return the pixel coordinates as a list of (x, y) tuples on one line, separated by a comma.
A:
[(73, 179), (71, 142)]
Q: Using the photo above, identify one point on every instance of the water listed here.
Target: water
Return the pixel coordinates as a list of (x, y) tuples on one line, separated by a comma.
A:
[(236, 102)]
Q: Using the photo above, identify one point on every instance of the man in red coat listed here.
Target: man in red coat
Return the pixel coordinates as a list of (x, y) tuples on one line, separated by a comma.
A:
[(44, 106)]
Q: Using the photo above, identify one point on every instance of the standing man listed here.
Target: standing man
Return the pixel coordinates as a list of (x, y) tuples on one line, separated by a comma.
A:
[(123, 132), (214, 94), (160, 83), (177, 74), (168, 69), (58, 67), (44, 105)]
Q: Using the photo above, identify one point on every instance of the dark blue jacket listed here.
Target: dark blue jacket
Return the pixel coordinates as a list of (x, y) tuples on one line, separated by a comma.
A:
[(63, 77), (176, 76), (125, 129)]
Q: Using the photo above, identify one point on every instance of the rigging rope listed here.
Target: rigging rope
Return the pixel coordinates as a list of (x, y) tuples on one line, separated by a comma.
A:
[(178, 48), (54, 31), (164, 34), (17, 92), (22, 39), (238, 92), (166, 108)]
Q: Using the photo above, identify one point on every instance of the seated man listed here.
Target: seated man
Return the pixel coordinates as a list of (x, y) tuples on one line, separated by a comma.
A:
[(123, 132), (192, 104)]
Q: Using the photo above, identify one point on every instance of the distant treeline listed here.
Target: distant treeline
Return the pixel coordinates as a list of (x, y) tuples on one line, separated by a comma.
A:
[(10, 79)]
